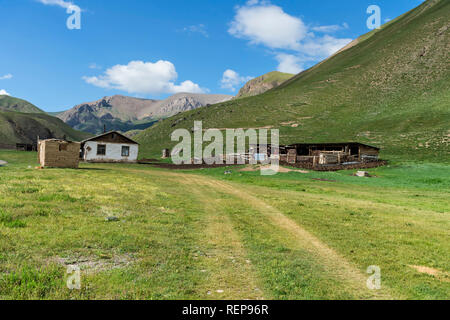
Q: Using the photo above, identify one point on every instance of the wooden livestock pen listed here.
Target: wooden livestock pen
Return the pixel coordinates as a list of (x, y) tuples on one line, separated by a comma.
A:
[(26, 147), (56, 153), (346, 154)]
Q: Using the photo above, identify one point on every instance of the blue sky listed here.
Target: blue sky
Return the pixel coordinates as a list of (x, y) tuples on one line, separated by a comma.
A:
[(153, 49)]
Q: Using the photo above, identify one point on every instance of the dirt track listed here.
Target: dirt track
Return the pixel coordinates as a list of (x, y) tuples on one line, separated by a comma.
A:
[(207, 191)]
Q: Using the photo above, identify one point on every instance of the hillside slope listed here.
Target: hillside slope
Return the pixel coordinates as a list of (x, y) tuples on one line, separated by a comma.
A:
[(391, 89), (263, 83), (127, 113), (18, 127), (8, 103)]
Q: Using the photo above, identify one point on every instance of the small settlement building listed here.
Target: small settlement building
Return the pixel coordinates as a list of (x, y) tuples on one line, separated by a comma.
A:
[(329, 153), (55, 153), (109, 147)]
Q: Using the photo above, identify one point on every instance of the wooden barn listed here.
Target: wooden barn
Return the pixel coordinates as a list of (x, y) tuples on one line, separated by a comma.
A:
[(329, 153)]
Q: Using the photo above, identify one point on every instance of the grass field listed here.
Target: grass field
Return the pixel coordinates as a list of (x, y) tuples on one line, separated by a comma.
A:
[(205, 235)]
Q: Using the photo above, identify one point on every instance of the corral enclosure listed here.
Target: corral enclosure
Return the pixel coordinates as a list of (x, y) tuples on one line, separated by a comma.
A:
[(314, 156), (58, 153), (329, 153)]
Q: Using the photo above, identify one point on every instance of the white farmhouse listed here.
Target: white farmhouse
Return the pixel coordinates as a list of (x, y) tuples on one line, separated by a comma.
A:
[(109, 147)]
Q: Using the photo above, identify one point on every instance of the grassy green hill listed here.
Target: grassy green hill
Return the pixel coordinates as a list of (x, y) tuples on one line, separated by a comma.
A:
[(18, 127), (22, 122), (390, 89), (8, 103)]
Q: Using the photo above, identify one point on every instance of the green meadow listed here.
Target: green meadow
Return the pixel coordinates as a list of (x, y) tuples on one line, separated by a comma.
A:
[(203, 234)]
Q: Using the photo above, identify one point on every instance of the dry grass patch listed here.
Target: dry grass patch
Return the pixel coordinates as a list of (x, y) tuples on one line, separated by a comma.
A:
[(441, 275)]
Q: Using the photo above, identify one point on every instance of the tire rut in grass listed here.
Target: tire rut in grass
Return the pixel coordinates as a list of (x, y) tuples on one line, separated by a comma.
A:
[(330, 259), (227, 269)]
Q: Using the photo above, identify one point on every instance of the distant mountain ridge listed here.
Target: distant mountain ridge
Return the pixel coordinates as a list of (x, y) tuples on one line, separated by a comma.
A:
[(127, 113), (263, 83)]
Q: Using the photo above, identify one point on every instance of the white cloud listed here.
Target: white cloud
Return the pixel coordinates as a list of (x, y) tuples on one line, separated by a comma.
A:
[(187, 86), (331, 28), (252, 2), (289, 63), (293, 42), (140, 77), (6, 76), (231, 79), (4, 93), (61, 3), (267, 24), (310, 51), (94, 66), (323, 47), (200, 28)]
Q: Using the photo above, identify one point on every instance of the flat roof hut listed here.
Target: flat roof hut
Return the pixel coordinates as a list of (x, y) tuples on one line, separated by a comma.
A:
[(57, 153)]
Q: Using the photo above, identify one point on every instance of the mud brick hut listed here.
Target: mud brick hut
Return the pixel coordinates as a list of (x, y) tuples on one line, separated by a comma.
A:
[(110, 147), (56, 153)]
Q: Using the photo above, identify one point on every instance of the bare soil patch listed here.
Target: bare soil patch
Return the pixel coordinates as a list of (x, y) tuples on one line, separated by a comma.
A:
[(94, 264), (441, 275)]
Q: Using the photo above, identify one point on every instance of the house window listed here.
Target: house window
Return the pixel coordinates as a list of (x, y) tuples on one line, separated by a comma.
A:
[(125, 151), (101, 149)]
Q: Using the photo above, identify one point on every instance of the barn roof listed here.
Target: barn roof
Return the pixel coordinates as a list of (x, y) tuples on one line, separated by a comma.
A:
[(98, 137), (331, 144)]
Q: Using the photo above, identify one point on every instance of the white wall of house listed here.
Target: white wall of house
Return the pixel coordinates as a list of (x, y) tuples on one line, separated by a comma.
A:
[(113, 152)]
